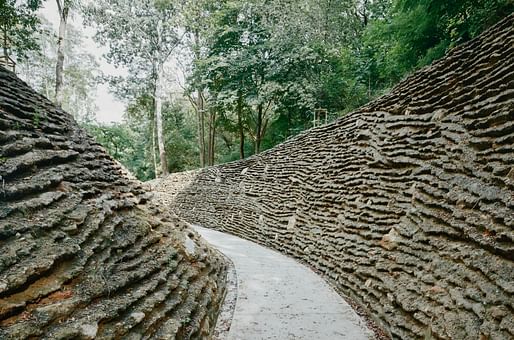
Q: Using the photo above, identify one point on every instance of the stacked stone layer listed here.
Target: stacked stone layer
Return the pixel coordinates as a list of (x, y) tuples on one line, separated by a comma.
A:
[(84, 251), (407, 204)]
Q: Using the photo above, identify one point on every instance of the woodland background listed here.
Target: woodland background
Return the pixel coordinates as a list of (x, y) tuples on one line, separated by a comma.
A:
[(209, 82)]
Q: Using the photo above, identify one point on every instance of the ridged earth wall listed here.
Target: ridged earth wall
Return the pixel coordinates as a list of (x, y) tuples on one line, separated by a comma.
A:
[(84, 250), (406, 205)]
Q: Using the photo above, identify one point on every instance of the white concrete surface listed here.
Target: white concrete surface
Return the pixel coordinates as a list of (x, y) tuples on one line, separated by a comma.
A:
[(278, 298)]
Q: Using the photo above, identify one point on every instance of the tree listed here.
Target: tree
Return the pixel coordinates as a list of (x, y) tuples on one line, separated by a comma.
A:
[(125, 143), (130, 140), (63, 7), (197, 25), (226, 70), (81, 76), (18, 23), (141, 36), (261, 67), (140, 114), (257, 70), (415, 33), (252, 67)]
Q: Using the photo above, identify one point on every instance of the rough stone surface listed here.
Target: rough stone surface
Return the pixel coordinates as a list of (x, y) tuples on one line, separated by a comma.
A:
[(407, 204), (84, 251)]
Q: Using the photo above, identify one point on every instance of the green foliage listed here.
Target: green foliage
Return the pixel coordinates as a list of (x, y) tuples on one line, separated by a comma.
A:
[(129, 29), (418, 32), (126, 145), (18, 23), (295, 56), (36, 119), (255, 70), (81, 73), (180, 137), (130, 142)]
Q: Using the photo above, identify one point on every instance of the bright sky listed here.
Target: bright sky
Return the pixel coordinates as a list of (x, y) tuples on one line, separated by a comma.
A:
[(109, 108)]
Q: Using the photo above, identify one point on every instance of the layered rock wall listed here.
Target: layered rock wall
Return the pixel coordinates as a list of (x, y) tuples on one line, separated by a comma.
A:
[(407, 204), (84, 251)]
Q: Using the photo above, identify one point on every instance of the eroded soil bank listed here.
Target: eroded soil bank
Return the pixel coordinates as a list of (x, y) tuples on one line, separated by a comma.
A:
[(85, 252), (406, 205)]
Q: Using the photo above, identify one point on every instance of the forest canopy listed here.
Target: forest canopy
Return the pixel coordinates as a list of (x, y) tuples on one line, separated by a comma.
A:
[(214, 81)]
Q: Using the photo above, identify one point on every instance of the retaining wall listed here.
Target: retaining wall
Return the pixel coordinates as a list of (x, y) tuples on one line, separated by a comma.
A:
[(407, 204), (85, 252)]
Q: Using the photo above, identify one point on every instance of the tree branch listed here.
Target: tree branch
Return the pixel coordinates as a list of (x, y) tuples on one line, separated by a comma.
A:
[(192, 101), (168, 52), (59, 7), (267, 107)]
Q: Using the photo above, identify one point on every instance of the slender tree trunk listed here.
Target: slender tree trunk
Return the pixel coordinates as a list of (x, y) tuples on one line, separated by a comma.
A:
[(59, 68), (158, 118), (154, 155), (201, 126), (200, 105), (365, 13), (47, 89), (158, 103), (240, 126), (6, 51), (211, 139), (288, 123), (326, 23), (258, 129), (369, 86)]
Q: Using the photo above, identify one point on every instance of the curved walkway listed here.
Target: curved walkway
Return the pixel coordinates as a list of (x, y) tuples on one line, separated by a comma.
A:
[(278, 298)]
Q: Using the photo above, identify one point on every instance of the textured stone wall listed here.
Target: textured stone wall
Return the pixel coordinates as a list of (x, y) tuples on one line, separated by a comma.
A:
[(407, 204), (84, 251)]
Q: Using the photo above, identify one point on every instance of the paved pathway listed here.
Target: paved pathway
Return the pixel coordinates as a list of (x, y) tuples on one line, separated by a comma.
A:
[(278, 298)]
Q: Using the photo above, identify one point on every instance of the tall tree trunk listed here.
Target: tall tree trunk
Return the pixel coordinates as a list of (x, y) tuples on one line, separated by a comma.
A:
[(258, 129), (6, 51), (200, 106), (240, 126), (59, 68), (213, 137), (154, 155), (288, 115), (364, 13), (209, 139), (158, 118), (201, 126), (212, 134), (158, 102)]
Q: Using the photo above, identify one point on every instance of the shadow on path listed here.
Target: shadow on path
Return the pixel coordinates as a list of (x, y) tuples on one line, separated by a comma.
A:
[(279, 298)]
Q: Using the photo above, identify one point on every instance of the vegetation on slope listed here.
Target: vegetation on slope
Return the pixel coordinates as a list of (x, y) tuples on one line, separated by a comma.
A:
[(231, 78)]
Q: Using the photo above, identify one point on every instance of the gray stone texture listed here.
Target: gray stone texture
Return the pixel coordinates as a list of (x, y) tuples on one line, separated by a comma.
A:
[(84, 251), (406, 205)]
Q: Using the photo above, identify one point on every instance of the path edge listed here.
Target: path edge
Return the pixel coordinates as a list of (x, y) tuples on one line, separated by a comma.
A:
[(226, 312)]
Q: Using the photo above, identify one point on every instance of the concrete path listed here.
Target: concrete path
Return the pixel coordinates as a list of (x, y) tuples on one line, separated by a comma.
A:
[(278, 298)]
